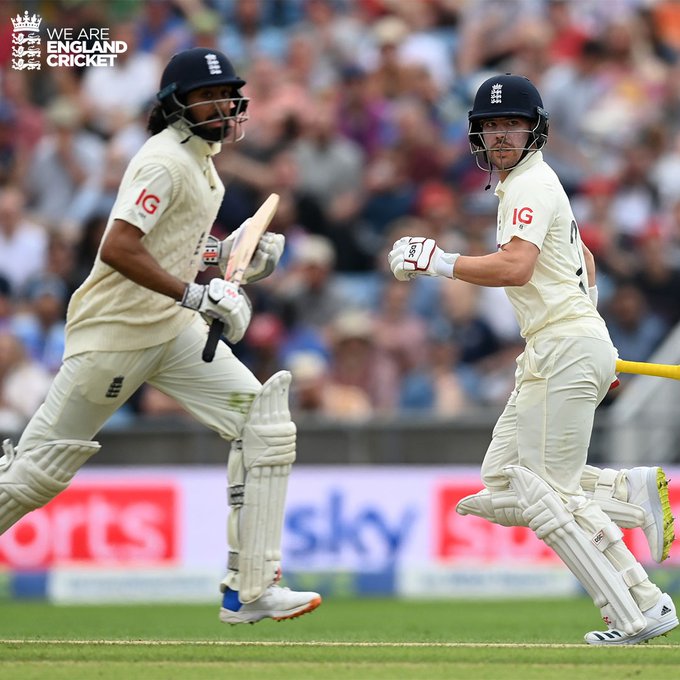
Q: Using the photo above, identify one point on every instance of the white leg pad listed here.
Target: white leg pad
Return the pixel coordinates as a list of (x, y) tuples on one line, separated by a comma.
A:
[(554, 523), (626, 515), (31, 479), (499, 507), (259, 466)]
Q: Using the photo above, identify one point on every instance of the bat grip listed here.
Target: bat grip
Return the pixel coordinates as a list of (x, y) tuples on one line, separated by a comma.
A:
[(216, 328)]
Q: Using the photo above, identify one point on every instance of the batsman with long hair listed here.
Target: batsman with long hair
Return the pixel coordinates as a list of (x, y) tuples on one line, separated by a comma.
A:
[(139, 317), (535, 471)]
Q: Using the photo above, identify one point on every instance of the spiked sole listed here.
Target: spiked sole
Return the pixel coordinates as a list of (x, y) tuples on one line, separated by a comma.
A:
[(234, 618), (614, 637), (309, 608)]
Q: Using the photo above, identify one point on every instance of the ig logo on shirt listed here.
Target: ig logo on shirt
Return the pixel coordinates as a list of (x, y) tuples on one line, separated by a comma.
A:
[(148, 202)]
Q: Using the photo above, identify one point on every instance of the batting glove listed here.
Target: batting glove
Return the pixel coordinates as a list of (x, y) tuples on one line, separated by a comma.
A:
[(264, 260), (414, 255), (220, 300)]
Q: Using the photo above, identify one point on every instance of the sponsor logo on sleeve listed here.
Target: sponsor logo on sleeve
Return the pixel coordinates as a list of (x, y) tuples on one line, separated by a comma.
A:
[(148, 202), (522, 216)]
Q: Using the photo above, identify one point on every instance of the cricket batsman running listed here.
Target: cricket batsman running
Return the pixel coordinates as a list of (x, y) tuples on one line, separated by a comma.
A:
[(140, 318), (535, 470)]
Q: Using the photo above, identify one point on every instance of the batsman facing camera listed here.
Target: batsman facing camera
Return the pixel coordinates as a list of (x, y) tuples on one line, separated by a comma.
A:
[(534, 470), (139, 317)]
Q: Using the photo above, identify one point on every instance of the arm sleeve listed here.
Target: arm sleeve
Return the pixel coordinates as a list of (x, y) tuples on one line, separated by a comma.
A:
[(146, 198), (528, 212)]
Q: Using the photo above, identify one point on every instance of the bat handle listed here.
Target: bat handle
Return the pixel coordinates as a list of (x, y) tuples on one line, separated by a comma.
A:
[(216, 328)]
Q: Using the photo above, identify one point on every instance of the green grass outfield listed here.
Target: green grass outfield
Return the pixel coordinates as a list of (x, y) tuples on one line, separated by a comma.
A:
[(344, 638)]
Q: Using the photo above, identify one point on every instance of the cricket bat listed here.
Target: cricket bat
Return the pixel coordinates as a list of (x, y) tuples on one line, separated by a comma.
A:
[(242, 251), (643, 368)]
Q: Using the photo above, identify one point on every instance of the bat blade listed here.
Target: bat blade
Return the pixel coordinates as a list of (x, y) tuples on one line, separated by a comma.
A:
[(644, 368), (242, 251)]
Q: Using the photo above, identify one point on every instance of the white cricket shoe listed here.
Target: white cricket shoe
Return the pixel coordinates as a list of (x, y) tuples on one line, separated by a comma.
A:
[(648, 488), (661, 618), (276, 603)]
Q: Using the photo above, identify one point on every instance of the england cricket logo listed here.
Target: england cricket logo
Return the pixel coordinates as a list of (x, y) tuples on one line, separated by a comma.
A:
[(26, 42), (496, 93), (63, 47)]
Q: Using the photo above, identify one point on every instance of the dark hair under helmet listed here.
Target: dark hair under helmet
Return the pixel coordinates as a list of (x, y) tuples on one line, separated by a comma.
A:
[(506, 96), (191, 69)]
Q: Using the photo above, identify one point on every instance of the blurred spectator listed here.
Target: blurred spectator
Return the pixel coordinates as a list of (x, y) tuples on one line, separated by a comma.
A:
[(567, 34), (40, 324), (6, 304), (658, 277), (433, 384), (425, 46), (315, 394), (161, 29), (636, 202), (23, 384), (112, 97), (418, 142), (308, 286), (358, 361), (571, 90), (635, 331), (277, 105), (389, 194), (87, 246), (664, 24), (384, 64), (246, 35), (261, 351), (29, 125), (307, 65), (363, 115), (330, 165), (23, 244), (337, 31), (397, 330), (63, 179), (10, 168), (60, 263)]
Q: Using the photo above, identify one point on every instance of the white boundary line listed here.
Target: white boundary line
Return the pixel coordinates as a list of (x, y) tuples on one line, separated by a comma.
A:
[(321, 644)]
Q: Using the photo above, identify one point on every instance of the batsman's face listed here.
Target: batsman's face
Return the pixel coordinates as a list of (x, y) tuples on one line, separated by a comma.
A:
[(505, 140), (218, 110)]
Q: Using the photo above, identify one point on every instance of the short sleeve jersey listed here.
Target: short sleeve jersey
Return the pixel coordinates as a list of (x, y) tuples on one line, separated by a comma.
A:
[(171, 192), (533, 206)]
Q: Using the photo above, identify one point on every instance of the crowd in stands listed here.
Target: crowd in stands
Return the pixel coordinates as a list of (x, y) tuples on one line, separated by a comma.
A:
[(358, 119)]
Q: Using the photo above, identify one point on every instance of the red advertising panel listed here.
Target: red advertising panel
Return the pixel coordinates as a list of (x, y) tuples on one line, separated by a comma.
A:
[(467, 538), (111, 523)]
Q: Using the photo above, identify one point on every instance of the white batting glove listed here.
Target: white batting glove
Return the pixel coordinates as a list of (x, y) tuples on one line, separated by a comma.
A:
[(223, 301), (414, 255), (264, 261)]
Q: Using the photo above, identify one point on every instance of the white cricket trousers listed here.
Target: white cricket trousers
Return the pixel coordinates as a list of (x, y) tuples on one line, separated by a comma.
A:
[(90, 387), (547, 423)]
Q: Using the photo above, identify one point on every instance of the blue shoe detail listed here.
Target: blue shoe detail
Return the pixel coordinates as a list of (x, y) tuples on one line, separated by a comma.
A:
[(230, 600)]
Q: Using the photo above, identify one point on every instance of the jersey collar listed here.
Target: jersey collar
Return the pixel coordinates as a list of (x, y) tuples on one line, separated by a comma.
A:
[(533, 159), (198, 145)]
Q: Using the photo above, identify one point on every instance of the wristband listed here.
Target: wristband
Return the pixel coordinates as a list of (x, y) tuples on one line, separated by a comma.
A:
[(445, 264), (592, 294), (193, 296)]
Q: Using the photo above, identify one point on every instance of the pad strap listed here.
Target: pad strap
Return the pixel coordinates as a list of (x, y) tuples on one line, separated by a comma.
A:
[(555, 524)]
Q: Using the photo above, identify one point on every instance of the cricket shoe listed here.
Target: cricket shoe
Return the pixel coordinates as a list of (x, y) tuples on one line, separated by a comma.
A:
[(276, 603), (648, 488), (661, 618)]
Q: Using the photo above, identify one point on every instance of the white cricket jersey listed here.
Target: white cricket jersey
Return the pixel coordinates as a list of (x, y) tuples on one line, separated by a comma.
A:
[(171, 192), (533, 206)]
